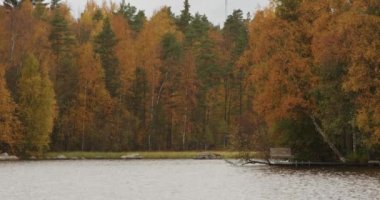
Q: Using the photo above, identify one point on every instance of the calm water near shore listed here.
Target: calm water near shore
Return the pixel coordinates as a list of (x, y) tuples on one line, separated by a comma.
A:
[(180, 179)]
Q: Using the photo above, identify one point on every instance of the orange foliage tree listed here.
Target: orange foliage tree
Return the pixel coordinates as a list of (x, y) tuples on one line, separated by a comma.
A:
[(10, 126)]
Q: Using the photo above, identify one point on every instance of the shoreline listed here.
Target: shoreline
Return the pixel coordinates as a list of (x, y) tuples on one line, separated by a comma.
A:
[(158, 155), (178, 155), (135, 155)]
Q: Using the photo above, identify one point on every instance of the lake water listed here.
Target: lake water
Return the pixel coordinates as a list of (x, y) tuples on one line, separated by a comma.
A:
[(179, 180)]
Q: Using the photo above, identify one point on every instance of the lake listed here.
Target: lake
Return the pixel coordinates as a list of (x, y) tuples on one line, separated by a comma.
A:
[(180, 179)]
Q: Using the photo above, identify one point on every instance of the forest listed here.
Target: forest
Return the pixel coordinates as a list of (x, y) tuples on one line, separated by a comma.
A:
[(303, 74)]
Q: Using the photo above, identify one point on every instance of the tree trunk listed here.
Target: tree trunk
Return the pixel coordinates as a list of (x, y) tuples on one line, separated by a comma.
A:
[(13, 38), (185, 126), (84, 115), (327, 140), (154, 109), (354, 142), (172, 135), (225, 98), (241, 94)]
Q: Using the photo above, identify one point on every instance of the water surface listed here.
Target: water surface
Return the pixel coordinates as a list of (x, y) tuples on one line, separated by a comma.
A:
[(180, 180)]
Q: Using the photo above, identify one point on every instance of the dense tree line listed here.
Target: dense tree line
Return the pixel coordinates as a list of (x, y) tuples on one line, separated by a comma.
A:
[(302, 74), (315, 73)]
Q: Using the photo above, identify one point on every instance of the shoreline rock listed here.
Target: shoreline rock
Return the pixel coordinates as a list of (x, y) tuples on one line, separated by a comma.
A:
[(33, 158), (131, 157), (374, 162), (5, 156), (61, 157), (208, 156)]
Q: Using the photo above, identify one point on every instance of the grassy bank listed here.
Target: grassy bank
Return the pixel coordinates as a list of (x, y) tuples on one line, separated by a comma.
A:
[(145, 155)]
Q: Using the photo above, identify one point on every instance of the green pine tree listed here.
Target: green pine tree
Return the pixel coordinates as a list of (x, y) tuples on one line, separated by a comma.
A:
[(185, 17), (60, 36), (197, 30), (135, 21), (235, 33), (62, 43), (138, 21), (105, 43)]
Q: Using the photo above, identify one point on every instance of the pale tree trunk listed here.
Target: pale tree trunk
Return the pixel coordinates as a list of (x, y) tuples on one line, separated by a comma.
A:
[(84, 115), (184, 134), (226, 107), (327, 140), (354, 142), (118, 121), (185, 126), (154, 109), (12, 47), (241, 94), (171, 133)]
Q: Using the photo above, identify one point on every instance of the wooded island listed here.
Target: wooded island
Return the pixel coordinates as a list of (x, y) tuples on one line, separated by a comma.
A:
[(303, 74)]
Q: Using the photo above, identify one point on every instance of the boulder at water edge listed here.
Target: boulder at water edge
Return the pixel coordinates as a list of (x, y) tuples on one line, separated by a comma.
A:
[(61, 157), (6, 156), (208, 156), (131, 156)]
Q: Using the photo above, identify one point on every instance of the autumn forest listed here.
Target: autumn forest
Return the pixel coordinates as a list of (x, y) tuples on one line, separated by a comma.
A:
[(303, 74)]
